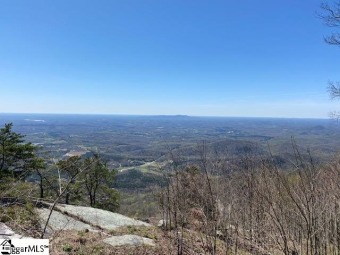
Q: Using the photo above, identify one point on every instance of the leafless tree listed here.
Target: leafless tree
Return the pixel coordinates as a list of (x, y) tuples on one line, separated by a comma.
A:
[(331, 16)]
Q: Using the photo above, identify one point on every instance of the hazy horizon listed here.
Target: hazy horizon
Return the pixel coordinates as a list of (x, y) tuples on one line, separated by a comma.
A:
[(199, 58), (158, 115)]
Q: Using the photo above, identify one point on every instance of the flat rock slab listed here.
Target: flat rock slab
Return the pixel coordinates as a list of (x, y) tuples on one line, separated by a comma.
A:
[(101, 218), (129, 240), (59, 221), (7, 232)]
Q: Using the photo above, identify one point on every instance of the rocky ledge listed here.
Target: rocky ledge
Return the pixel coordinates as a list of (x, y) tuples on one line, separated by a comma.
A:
[(80, 218)]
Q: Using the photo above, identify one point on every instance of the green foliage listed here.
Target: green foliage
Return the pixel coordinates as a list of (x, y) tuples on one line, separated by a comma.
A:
[(96, 178), (108, 199), (70, 169), (89, 180), (134, 179), (141, 204), (17, 190), (16, 157), (71, 166), (67, 248)]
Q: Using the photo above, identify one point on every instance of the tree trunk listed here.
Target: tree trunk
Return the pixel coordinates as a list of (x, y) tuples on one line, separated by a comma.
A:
[(41, 188)]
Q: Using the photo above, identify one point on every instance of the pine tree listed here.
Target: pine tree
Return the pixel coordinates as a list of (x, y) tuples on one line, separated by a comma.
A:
[(16, 156)]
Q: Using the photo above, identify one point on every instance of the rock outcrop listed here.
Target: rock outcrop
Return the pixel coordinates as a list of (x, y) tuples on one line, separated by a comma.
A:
[(80, 218), (99, 218), (7, 232), (59, 221)]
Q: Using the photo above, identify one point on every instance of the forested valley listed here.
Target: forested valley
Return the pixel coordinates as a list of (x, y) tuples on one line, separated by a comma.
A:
[(239, 192)]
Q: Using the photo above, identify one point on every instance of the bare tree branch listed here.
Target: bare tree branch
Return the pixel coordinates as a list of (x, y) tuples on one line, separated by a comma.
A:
[(331, 17), (334, 89), (61, 194)]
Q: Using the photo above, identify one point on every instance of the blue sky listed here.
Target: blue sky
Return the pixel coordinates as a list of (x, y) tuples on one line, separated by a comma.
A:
[(218, 58)]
